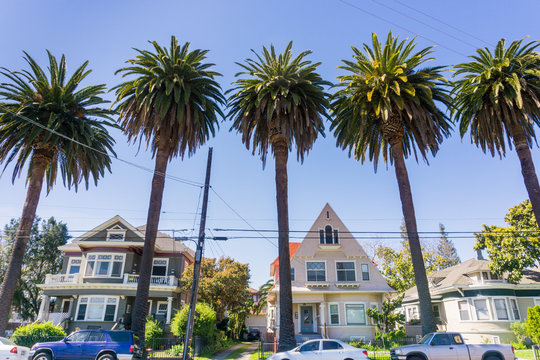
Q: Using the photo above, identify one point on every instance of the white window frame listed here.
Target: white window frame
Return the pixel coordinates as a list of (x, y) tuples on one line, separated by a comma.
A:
[(467, 307), (333, 237), (70, 264), (362, 272), (157, 308), (166, 265), (63, 302), (505, 300), (325, 270), (88, 297), (116, 232), (512, 309), (109, 273), (330, 313), (488, 303), (345, 261), (355, 303), (536, 301), (415, 313)]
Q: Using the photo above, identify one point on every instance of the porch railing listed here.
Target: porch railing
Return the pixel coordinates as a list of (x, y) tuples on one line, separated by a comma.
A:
[(154, 280), (51, 279)]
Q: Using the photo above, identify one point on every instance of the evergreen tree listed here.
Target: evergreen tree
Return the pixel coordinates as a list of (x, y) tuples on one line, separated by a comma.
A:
[(446, 253)]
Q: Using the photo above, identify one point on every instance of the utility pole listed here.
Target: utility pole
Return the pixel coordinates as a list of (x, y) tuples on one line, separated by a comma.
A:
[(197, 263)]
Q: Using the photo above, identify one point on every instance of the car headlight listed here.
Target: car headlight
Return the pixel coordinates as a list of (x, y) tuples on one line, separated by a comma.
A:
[(399, 352), (33, 347)]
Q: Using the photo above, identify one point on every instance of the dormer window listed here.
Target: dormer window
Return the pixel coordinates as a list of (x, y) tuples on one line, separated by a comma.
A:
[(116, 235), (328, 236)]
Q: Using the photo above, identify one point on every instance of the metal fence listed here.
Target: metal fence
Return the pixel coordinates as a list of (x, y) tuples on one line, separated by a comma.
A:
[(536, 352)]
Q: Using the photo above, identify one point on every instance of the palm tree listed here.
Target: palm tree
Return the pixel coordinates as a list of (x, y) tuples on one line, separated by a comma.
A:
[(51, 125), (280, 103), (498, 97), (172, 104), (386, 105)]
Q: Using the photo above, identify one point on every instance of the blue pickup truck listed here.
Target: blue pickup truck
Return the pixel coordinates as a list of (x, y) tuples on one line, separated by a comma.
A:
[(89, 345)]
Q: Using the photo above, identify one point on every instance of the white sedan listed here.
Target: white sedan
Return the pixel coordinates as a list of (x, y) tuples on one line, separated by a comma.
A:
[(10, 351), (325, 349)]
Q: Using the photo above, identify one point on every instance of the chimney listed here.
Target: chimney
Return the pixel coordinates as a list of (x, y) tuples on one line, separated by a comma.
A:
[(479, 255)]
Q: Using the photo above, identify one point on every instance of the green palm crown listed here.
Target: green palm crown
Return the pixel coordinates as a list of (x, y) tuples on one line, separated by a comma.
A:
[(280, 97), (498, 91), (49, 116), (385, 100), (173, 95)]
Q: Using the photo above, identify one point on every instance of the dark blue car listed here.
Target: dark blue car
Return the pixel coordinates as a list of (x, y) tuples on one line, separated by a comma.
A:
[(89, 345)]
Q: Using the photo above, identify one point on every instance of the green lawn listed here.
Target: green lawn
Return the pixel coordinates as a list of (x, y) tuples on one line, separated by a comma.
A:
[(255, 355), (525, 354), (236, 353)]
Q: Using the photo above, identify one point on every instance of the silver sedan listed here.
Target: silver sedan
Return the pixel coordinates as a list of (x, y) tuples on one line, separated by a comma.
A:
[(325, 349)]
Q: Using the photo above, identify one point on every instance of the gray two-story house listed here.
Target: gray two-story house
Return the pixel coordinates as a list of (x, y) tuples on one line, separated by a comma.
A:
[(97, 285)]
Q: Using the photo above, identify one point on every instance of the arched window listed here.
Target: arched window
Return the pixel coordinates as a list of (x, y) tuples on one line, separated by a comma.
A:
[(328, 235)]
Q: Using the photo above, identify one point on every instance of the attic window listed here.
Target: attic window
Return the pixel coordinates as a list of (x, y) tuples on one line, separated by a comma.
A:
[(330, 235), (328, 214), (116, 235)]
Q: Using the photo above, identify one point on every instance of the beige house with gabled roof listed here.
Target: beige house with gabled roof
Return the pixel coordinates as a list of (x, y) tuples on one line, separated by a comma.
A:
[(333, 283)]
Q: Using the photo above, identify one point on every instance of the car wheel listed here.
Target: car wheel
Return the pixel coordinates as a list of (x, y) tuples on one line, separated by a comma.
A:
[(42, 356), (415, 358), (107, 357), (492, 357)]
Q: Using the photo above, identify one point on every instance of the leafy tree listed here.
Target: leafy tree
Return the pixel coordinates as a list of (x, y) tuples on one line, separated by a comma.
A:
[(223, 285), (28, 335), (49, 124), (532, 324), (515, 247), (387, 106), (172, 103), (446, 253), (153, 332), (389, 322), (205, 321), (497, 97), (280, 103), (41, 257), (263, 296)]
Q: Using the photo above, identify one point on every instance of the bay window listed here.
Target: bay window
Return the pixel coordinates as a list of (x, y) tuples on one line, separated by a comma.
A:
[(501, 309), (97, 308), (104, 265), (482, 311)]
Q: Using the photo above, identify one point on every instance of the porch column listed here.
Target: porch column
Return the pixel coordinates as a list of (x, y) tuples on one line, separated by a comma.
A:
[(322, 309), (43, 308), (169, 309)]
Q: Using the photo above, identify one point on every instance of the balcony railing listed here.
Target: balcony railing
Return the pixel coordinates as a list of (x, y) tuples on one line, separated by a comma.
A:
[(52, 279), (154, 280)]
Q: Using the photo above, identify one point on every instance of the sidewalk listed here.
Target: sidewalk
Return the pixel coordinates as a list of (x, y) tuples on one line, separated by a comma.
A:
[(244, 355)]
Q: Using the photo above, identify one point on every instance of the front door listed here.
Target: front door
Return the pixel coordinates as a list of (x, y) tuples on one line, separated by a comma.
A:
[(307, 319)]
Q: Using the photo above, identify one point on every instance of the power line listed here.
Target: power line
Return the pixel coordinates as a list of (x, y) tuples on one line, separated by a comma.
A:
[(114, 156), (402, 27), (443, 22), (376, 232)]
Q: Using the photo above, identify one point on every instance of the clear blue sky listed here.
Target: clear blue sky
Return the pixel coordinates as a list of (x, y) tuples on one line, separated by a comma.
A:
[(462, 187)]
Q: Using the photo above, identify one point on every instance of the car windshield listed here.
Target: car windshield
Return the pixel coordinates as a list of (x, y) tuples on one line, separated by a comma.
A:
[(425, 339), (6, 341)]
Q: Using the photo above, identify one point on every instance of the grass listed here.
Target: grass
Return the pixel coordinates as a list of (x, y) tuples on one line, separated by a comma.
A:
[(525, 354), (237, 353), (255, 355)]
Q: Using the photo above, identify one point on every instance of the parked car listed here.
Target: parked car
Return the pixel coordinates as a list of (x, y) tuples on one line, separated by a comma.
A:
[(326, 349), (253, 334), (442, 345), (11, 351), (89, 344)]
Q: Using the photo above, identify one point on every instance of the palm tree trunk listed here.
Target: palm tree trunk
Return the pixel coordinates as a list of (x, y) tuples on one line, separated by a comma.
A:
[(40, 160), (287, 340), (527, 169), (140, 308), (407, 205)]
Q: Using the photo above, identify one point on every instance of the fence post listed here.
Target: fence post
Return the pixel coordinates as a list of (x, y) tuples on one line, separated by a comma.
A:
[(535, 352)]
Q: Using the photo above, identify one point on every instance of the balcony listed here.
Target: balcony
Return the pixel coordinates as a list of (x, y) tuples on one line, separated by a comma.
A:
[(154, 280), (61, 279)]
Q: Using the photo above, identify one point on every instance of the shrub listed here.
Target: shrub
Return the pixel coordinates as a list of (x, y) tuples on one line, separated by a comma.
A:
[(153, 332), (520, 331), (532, 324), (205, 318), (30, 334)]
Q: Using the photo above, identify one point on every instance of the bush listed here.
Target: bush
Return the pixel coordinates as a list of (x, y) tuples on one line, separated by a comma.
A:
[(205, 318), (153, 332), (30, 334), (519, 345), (520, 332), (532, 324)]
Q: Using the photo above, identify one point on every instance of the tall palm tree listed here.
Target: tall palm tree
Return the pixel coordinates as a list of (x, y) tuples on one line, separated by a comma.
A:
[(498, 97), (387, 106), (49, 124), (172, 104), (280, 103)]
